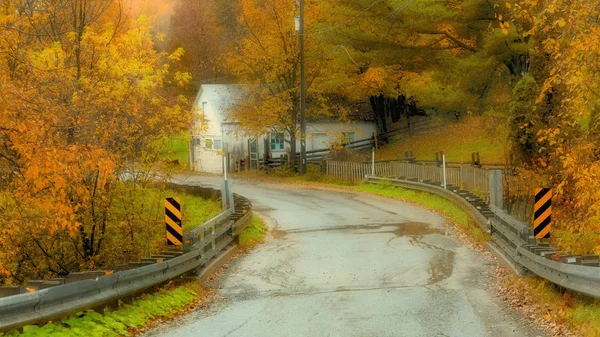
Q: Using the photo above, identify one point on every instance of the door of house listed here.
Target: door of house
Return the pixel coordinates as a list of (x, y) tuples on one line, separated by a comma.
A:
[(253, 153)]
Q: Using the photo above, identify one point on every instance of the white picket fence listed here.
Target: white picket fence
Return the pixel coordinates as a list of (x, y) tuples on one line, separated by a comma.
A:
[(470, 178)]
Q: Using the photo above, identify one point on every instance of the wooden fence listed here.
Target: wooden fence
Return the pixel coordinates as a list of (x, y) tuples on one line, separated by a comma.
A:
[(470, 178)]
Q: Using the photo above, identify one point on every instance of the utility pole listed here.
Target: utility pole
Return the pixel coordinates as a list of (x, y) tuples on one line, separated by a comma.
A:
[(302, 164)]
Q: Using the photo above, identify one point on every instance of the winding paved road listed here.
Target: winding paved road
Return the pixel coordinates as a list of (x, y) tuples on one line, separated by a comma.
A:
[(343, 264)]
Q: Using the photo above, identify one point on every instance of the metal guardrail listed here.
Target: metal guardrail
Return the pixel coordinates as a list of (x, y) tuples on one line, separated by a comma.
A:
[(62, 300), (578, 273)]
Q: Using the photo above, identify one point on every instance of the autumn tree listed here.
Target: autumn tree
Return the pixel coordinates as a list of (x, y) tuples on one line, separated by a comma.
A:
[(81, 106), (266, 59), (447, 55), (200, 28), (562, 122)]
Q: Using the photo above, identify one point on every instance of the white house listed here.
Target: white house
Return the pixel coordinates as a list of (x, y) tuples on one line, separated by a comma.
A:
[(216, 135)]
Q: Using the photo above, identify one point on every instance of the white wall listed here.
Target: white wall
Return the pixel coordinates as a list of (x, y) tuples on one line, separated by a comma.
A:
[(321, 135), (207, 126)]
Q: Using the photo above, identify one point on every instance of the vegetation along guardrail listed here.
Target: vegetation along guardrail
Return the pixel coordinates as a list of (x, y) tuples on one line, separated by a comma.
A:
[(579, 273), (43, 301)]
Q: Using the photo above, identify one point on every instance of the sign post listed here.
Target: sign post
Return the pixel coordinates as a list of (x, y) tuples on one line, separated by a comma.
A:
[(173, 222)]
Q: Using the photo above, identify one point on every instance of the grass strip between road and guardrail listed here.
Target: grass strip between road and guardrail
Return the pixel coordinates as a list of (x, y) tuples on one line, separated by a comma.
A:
[(130, 319), (253, 234), (126, 320)]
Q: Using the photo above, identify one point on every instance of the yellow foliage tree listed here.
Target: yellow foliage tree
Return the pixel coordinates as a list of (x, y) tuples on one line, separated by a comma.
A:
[(83, 104)]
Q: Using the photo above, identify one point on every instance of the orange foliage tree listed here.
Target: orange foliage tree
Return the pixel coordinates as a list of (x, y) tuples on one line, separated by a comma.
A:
[(83, 108), (564, 57)]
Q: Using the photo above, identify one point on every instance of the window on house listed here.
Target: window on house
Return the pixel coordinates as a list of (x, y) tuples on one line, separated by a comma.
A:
[(212, 144), (203, 107), (348, 137), (277, 142)]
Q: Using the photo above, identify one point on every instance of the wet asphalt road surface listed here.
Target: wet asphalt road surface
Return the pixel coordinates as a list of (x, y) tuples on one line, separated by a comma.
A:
[(344, 264)]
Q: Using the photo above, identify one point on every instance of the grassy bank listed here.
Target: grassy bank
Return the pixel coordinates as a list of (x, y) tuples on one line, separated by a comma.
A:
[(127, 319), (195, 210), (254, 233), (142, 230), (176, 151), (459, 140)]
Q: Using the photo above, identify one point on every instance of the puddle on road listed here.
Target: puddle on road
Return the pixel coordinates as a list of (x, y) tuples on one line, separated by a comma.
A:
[(441, 266), (416, 229), (277, 233)]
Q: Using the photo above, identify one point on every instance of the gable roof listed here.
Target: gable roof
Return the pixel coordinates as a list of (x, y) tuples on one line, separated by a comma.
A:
[(220, 97)]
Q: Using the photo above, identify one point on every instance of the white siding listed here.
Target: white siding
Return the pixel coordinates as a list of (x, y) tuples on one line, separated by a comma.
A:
[(208, 126)]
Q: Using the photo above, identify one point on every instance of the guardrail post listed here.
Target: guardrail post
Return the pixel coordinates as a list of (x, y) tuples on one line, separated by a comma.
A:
[(227, 195), (496, 188)]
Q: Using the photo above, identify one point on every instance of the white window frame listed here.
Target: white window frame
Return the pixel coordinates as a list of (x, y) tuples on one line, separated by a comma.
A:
[(213, 141)]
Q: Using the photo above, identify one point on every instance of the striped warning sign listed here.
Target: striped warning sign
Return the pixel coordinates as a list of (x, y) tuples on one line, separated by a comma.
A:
[(173, 222), (543, 213)]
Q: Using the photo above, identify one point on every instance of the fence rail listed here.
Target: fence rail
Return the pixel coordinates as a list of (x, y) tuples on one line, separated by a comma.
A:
[(106, 287), (465, 177)]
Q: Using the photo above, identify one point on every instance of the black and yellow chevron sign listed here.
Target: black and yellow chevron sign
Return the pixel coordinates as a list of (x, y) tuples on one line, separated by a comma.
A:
[(173, 222), (543, 213)]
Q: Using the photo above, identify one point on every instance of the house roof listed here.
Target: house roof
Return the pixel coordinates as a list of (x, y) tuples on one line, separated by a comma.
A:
[(222, 96)]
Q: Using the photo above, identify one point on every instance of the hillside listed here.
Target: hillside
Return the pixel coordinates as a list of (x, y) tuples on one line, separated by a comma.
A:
[(458, 139)]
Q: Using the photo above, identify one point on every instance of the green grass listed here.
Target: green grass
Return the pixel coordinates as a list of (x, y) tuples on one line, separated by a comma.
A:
[(253, 234), (196, 210), (123, 321), (177, 149), (459, 140), (431, 201)]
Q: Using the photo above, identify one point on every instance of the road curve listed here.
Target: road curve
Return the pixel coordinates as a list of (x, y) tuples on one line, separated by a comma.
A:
[(344, 264)]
